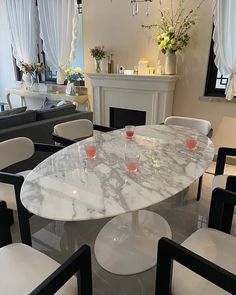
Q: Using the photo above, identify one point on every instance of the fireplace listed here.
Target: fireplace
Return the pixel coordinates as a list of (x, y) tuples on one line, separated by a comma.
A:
[(119, 117), (142, 100)]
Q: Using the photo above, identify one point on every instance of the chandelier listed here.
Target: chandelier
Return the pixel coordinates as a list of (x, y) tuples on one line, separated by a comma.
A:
[(135, 5)]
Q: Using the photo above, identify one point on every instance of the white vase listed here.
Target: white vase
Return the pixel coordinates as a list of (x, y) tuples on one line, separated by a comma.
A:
[(170, 64)]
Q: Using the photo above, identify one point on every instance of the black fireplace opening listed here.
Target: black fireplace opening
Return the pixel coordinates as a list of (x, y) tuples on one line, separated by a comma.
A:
[(119, 118)]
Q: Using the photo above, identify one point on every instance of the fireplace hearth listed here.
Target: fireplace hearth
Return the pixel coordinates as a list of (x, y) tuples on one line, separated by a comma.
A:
[(120, 117)]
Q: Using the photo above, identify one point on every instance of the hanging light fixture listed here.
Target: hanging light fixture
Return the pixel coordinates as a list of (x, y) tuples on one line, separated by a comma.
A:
[(135, 6)]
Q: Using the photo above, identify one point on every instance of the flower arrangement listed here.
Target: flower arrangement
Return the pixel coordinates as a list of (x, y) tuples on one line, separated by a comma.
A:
[(173, 31), (98, 52), (27, 68), (74, 74)]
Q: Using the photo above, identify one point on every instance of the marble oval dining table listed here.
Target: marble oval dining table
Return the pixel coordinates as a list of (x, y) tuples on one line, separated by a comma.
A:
[(69, 187)]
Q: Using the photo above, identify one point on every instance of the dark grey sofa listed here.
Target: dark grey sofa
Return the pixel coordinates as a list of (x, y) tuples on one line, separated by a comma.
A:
[(40, 124)]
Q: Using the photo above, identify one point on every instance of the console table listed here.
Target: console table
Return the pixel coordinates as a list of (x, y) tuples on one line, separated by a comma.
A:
[(81, 100)]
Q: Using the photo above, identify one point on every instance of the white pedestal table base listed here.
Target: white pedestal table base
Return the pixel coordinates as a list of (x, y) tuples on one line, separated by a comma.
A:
[(127, 244)]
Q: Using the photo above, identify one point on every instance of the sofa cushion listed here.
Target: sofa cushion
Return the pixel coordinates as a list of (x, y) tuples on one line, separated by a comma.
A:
[(17, 119), (55, 112), (13, 111), (47, 104)]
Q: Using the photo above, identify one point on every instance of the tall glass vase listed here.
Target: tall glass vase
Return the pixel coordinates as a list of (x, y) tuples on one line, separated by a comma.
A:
[(98, 65), (34, 82), (170, 64), (27, 80)]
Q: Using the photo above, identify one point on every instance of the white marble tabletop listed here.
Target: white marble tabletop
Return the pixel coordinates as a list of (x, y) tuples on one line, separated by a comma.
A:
[(67, 186)]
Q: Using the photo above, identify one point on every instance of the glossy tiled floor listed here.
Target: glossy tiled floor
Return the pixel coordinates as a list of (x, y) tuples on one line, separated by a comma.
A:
[(60, 239)]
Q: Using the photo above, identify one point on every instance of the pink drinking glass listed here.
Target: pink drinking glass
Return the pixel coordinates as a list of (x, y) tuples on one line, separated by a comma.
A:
[(191, 143), (91, 150), (131, 161), (129, 131)]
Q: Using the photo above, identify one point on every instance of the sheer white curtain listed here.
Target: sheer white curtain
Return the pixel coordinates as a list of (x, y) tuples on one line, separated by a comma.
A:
[(23, 25), (58, 30), (224, 36)]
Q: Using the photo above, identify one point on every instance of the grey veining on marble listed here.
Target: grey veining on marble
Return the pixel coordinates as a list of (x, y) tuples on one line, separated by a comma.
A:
[(66, 186)]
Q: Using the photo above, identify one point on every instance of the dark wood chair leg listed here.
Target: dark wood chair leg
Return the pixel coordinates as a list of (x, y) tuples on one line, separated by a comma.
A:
[(10, 216), (199, 189), (23, 218)]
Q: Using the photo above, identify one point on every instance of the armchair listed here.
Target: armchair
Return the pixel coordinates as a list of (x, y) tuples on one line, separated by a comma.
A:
[(24, 270), (206, 260), (72, 131), (13, 151)]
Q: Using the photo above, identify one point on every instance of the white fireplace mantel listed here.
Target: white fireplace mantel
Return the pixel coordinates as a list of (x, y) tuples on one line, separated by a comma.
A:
[(152, 94)]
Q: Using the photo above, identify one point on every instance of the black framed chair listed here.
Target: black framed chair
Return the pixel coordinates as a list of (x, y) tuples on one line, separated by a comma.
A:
[(220, 178), (14, 151), (24, 270), (202, 126), (205, 263), (72, 131)]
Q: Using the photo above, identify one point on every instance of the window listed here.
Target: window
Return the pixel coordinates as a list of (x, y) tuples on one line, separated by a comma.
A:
[(50, 74), (215, 82)]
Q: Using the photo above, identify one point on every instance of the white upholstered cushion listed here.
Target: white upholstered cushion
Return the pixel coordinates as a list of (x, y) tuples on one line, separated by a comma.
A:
[(202, 126), (213, 245), (74, 129), (7, 192), (15, 150), (23, 268), (219, 181)]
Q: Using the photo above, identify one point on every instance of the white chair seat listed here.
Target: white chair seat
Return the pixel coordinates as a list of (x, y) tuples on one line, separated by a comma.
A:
[(7, 192), (23, 268), (215, 246), (219, 181)]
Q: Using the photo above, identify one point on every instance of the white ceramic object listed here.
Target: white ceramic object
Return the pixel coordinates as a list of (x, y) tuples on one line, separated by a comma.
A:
[(170, 64)]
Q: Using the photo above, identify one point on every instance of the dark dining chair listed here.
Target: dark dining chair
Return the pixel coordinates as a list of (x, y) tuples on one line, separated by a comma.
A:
[(15, 151), (24, 270), (205, 263)]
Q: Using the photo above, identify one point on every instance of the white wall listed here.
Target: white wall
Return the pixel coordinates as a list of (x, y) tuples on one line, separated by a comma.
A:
[(111, 25)]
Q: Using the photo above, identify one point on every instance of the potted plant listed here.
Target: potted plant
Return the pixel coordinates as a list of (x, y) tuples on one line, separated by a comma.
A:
[(98, 53), (73, 75), (173, 31)]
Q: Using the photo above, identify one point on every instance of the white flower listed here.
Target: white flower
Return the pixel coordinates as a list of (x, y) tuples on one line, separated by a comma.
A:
[(162, 44), (167, 39)]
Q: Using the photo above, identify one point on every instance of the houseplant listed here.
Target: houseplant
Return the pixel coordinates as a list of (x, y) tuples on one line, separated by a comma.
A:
[(27, 69), (173, 31), (31, 72), (73, 75), (98, 53)]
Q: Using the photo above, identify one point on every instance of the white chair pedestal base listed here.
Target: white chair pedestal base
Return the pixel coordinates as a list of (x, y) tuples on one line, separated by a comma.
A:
[(127, 244)]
